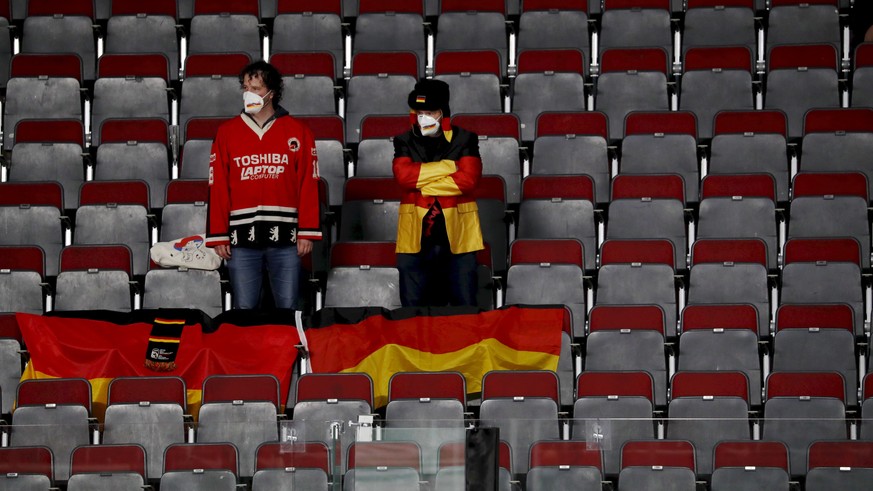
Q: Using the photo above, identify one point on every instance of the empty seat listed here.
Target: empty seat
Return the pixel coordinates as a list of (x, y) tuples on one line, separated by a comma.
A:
[(211, 87), (378, 85), (800, 78), (391, 25), (137, 27), (830, 205), (659, 464), (817, 348), (53, 79), (61, 27), (452, 473), (10, 367), (839, 465), (22, 280), (548, 271), (751, 142), (146, 411), (649, 207), (310, 25), (185, 289), (710, 23), (26, 467), (50, 150), (750, 466), (308, 78), (707, 407), (499, 136), (524, 405), (722, 337), (323, 399), (559, 207), (200, 466), (662, 143), (474, 80), (362, 274), (803, 22), (636, 24), (240, 409), (107, 467), (195, 151), (94, 277), (801, 408), (219, 26), (370, 209), (862, 95), (291, 464), (823, 271), (427, 408), (741, 206), (130, 86), (638, 272), (631, 80), (549, 24), (34, 211), (5, 41), (115, 213), (565, 465), (382, 465), (716, 79), (53, 413), (614, 344), (574, 143), (547, 80), (184, 211), (135, 149), (473, 25), (838, 140), (376, 149), (866, 429), (330, 140), (731, 271)]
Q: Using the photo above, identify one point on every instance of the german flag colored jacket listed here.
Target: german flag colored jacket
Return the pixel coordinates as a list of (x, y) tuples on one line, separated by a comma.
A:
[(450, 178)]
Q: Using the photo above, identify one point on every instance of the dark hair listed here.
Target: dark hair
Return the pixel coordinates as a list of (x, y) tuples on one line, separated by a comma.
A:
[(268, 74)]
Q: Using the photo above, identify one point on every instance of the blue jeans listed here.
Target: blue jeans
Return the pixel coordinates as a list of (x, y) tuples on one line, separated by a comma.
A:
[(246, 267)]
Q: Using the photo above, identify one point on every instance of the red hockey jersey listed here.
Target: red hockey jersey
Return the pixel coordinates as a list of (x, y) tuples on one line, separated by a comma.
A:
[(263, 183)]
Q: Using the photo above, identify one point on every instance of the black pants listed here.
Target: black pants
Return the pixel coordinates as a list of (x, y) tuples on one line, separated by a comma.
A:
[(435, 277)]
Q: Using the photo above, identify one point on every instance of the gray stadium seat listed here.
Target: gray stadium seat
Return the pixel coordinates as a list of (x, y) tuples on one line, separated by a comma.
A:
[(217, 29), (631, 80), (547, 80), (310, 25), (137, 27), (378, 80), (96, 276)]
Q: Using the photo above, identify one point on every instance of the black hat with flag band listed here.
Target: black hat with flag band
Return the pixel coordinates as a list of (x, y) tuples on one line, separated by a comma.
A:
[(430, 95)]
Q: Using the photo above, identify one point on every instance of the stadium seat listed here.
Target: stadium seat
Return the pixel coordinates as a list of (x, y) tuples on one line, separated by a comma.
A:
[(499, 137), (803, 22), (452, 473), (391, 25), (473, 25), (369, 209), (61, 27), (716, 79), (559, 207), (147, 411), (200, 466), (94, 276), (711, 23), (224, 26), (751, 142), (183, 288), (631, 80), (862, 95), (53, 413), (115, 212), (554, 24), (310, 25), (35, 212), (296, 464), (376, 149), (474, 80), (707, 407), (137, 27), (50, 150), (658, 464), (362, 274), (211, 87), (636, 24), (722, 337), (839, 465), (662, 143), (198, 135), (107, 467), (547, 80), (330, 140), (26, 467), (838, 140), (616, 343), (22, 283), (134, 149), (184, 211), (801, 408), (378, 85), (5, 41), (309, 82), (750, 466), (565, 465), (639, 272), (382, 465)]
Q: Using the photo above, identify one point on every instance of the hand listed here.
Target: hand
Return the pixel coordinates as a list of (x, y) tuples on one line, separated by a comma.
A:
[(223, 251), (304, 247)]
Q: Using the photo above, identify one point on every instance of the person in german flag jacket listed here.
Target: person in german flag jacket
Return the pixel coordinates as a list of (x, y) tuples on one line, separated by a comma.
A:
[(263, 192), (438, 233)]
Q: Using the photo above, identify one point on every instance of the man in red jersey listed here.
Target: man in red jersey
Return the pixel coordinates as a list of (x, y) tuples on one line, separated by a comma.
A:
[(263, 192)]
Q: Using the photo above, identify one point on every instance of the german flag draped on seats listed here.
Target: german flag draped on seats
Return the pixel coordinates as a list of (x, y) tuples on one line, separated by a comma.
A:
[(381, 342), (100, 346)]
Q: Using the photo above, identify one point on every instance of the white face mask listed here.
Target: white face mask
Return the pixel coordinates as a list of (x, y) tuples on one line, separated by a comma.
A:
[(253, 103), (429, 125)]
